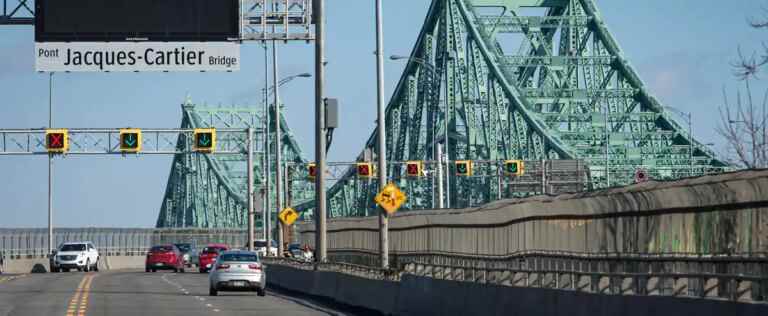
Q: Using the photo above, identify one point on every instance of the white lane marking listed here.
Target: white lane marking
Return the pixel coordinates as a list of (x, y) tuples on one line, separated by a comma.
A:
[(208, 305), (202, 299), (216, 310)]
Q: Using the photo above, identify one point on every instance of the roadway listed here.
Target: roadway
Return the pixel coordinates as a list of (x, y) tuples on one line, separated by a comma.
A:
[(138, 293)]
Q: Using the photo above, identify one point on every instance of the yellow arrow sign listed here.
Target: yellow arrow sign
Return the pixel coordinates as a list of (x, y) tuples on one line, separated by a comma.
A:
[(390, 198), (288, 216)]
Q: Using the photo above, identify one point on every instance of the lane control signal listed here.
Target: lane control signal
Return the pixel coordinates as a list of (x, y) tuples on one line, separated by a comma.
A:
[(312, 170), (464, 168), (365, 169), (514, 168), (204, 140), (414, 168), (130, 140), (56, 140)]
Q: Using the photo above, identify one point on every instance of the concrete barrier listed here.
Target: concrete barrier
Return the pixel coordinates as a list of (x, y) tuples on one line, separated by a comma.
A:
[(415, 295), (105, 263)]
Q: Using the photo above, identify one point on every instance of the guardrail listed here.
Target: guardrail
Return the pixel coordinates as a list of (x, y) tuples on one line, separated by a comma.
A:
[(735, 277), (16, 243)]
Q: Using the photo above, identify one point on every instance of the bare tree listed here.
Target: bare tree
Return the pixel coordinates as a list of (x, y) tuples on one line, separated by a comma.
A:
[(743, 121)]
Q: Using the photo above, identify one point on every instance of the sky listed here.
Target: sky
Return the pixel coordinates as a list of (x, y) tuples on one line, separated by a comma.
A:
[(681, 49)]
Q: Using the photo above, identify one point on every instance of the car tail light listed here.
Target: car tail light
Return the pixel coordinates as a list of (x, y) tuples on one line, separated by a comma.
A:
[(223, 266), (254, 266)]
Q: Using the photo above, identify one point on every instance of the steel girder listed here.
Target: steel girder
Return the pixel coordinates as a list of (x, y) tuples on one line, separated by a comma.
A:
[(209, 190), (523, 79)]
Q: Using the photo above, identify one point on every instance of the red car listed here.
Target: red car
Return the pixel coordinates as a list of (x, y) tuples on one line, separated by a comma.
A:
[(208, 256), (164, 257)]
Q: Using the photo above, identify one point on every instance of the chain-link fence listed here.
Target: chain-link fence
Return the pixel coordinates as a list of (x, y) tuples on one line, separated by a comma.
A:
[(17, 243)]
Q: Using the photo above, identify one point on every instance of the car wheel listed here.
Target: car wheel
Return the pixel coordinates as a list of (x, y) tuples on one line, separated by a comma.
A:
[(65, 270), (182, 269), (54, 270), (79, 269), (175, 270), (146, 269), (212, 291), (154, 270), (261, 292), (96, 266), (202, 270), (87, 266)]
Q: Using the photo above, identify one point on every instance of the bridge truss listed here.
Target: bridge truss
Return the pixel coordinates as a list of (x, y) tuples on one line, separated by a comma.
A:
[(210, 191), (524, 79)]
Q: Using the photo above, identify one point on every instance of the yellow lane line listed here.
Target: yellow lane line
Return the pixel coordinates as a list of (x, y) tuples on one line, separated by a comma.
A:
[(78, 304)]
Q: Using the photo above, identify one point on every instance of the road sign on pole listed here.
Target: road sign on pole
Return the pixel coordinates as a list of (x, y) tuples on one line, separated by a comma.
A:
[(56, 140), (414, 168), (514, 168), (288, 216), (130, 140), (390, 198), (464, 168)]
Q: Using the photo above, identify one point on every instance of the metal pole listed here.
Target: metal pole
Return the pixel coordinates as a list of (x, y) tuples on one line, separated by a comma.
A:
[(690, 143), (278, 149), (266, 220), (439, 158), (251, 213), (382, 150), (320, 215), (607, 158), (447, 145), (50, 167)]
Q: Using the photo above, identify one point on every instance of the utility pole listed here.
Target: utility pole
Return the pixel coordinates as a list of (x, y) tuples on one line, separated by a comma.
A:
[(266, 221), (251, 212), (439, 158), (320, 211), (50, 167), (278, 149), (382, 142), (607, 143)]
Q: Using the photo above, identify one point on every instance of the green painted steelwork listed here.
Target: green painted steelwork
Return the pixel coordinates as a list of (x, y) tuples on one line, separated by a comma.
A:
[(209, 190), (523, 79)]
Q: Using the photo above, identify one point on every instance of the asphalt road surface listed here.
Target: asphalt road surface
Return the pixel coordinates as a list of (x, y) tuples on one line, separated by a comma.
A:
[(137, 293)]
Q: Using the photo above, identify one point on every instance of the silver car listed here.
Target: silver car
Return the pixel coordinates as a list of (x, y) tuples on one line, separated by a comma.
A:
[(238, 270)]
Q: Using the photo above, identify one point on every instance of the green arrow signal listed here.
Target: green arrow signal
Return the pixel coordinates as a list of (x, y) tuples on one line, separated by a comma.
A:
[(129, 140), (204, 140)]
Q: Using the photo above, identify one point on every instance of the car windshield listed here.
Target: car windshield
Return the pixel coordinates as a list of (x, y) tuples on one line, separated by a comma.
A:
[(239, 257), (161, 249), (211, 250), (73, 247), (184, 247)]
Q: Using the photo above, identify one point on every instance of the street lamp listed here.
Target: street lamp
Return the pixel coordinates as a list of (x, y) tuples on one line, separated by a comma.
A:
[(278, 175), (688, 117), (433, 71)]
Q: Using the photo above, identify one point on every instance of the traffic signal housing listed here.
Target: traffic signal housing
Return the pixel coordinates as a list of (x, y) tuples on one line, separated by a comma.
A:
[(514, 168), (204, 140), (365, 169), (130, 140), (464, 168), (312, 170), (56, 140), (414, 168)]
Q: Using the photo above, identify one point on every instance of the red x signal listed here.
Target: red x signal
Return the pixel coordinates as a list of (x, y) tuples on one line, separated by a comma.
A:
[(56, 141), (365, 169)]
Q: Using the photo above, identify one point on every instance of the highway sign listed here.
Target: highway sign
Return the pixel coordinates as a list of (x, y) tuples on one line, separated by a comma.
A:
[(204, 140), (390, 198), (364, 169), (56, 140), (514, 167), (288, 216), (130, 140), (414, 168), (464, 168), (641, 176)]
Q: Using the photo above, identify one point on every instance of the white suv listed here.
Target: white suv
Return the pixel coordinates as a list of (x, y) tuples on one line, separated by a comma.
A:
[(82, 256)]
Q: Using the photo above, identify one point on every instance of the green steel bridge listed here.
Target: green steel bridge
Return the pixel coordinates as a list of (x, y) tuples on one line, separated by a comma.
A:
[(490, 80)]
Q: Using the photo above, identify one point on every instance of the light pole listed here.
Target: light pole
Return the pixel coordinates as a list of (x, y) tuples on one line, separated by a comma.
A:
[(50, 168), (320, 202), (444, 157), (278, 149), (381, 122), (688, 117)]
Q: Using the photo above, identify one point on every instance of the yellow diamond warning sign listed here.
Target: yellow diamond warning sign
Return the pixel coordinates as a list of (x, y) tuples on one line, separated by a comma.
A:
[(390, 198), (288, 216)]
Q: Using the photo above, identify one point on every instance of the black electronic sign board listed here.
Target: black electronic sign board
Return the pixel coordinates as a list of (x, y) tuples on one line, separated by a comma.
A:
[(136, 20)]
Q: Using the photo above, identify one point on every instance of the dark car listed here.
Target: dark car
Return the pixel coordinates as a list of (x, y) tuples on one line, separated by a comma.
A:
[(164, 257)]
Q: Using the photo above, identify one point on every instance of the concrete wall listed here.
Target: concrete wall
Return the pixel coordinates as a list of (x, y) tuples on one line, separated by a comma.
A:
[(425, 296), (726, 213), (40, 265)]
